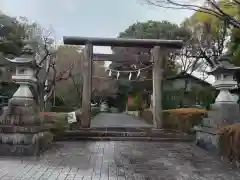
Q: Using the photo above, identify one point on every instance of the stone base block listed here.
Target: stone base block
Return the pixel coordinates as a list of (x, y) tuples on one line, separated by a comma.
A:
[(20, 148), (24, 129), (21, 112), (225, 113), (207, 138), (22, 138)]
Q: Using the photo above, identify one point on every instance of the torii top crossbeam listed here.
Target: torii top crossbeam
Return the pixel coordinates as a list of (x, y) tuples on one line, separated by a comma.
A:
[(123, 42)]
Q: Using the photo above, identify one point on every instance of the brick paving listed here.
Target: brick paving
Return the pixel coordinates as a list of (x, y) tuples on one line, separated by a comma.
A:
[(117, 160)]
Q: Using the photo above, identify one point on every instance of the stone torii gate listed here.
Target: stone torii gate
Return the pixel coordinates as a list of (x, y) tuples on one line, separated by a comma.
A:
[(158, 56)]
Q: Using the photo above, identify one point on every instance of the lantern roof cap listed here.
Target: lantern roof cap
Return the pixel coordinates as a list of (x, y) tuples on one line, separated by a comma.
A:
[(224, 65), (27, 57)]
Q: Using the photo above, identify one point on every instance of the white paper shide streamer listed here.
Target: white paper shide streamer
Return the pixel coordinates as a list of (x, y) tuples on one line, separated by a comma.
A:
[(118, 74), (138, 74), (138, 71), (110, 73), (130, 76)]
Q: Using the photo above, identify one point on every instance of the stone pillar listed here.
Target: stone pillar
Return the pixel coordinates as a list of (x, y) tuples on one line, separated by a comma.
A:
[(157, 58), (87, 86), (23, 132)]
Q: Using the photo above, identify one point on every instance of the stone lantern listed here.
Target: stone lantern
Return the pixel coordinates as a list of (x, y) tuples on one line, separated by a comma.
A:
[(225, 109), (26, 67), (225, 103), (23, 131), (224, 81)]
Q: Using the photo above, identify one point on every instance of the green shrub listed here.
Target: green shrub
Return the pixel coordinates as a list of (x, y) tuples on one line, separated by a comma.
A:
[(59, 101), (59, 123), (138, 101), (182, 119), (132, 108), (62, 109)]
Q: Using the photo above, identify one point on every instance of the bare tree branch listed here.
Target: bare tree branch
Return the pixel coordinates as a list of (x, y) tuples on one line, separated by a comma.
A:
[(213, 8)]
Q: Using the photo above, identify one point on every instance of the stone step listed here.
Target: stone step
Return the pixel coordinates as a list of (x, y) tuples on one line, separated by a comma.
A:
[(24, 129), (118, 129), (165, 139), (93, 133), (150, 135)]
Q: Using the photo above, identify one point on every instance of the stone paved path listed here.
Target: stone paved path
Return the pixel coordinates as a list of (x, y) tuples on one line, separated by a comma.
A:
[(117, 120), (119, 161)]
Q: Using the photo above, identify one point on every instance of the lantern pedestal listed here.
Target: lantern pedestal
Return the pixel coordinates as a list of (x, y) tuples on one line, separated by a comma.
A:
[(23, 132)]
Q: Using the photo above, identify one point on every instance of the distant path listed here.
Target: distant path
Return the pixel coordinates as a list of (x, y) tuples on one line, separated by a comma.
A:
[(117, 120)]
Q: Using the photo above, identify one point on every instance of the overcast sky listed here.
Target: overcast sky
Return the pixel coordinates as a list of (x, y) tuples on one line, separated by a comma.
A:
[(99, 18), (104, 18)]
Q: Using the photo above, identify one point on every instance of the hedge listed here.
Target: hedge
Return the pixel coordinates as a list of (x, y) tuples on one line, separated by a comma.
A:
[(62, 109), (183, 119), (59, 122), (229, 142)]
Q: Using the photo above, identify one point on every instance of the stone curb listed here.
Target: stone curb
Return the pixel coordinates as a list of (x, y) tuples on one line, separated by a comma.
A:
[(183, 139), (122, 134)]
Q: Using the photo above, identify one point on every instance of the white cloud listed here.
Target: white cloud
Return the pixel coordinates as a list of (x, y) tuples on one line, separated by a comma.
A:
[(28, 8), (69, 5)]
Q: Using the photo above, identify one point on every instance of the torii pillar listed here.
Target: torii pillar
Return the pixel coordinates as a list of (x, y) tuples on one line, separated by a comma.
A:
[(158, 56), (87, 86)]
